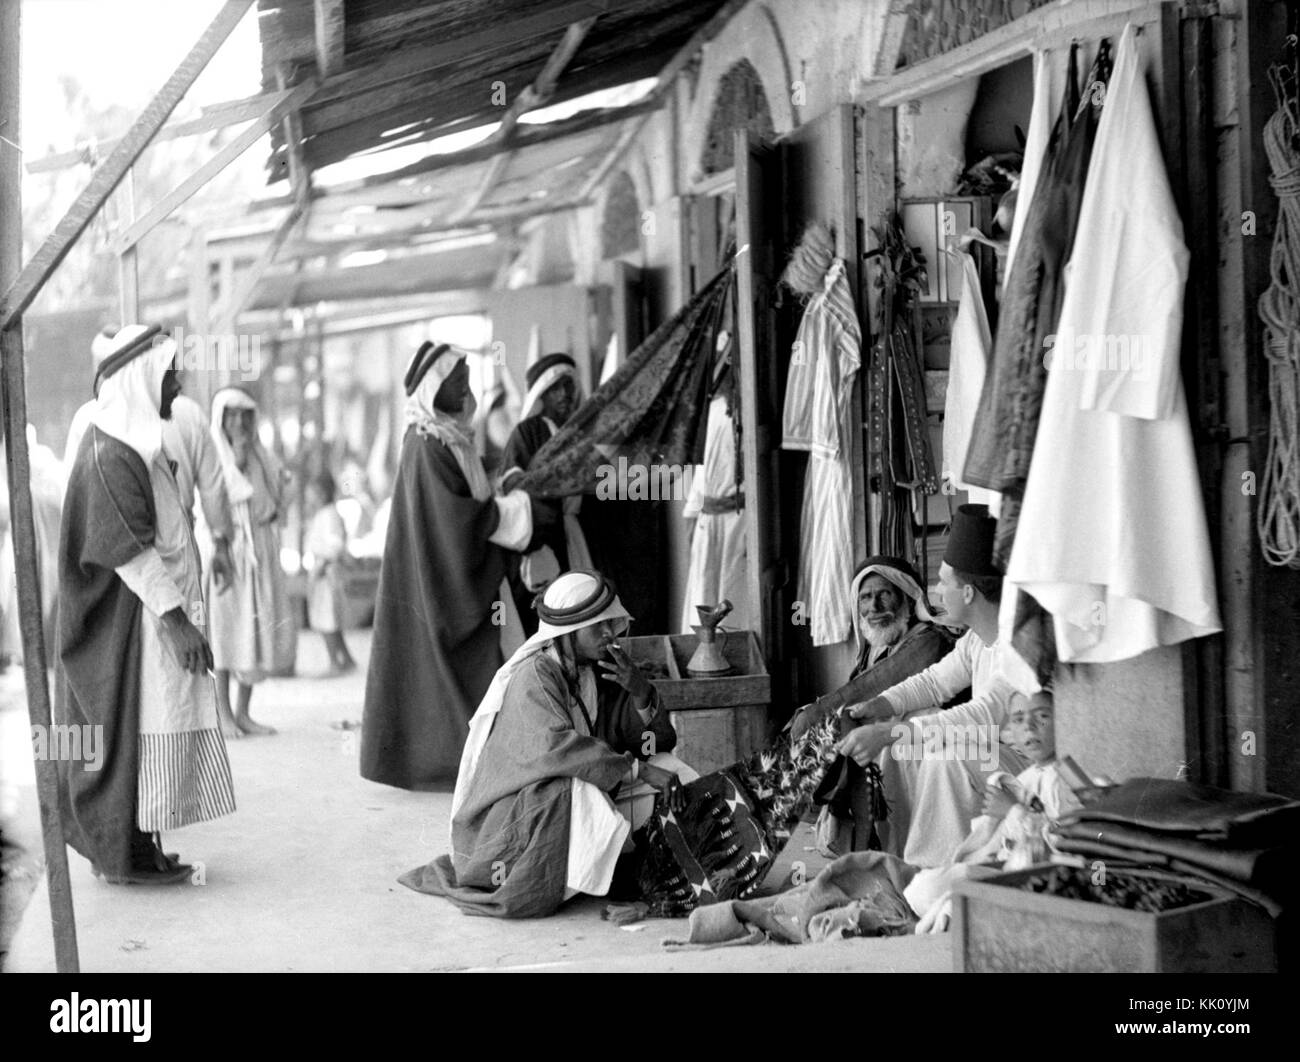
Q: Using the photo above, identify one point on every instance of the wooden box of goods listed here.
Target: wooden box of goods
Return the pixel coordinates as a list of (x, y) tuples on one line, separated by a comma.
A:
[(718, 720), (1052, 918)]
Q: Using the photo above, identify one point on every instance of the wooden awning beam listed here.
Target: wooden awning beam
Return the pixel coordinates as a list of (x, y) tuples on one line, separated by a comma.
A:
[(482, 42), (532, 97), (214, 116), (329, 37), (141, 227), (227, 314), (108, 176)]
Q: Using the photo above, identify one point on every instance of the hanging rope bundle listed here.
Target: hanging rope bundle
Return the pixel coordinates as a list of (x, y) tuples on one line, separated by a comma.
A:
[(1279, 503)]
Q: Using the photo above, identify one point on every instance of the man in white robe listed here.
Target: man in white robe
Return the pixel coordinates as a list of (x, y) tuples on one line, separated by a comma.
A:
[(716, 503)]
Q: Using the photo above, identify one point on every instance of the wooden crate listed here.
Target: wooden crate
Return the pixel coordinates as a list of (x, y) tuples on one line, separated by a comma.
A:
[(718, 720), (1000, 928)]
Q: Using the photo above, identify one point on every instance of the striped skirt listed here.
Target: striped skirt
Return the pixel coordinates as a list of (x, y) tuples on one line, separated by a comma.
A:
[(184, 773)]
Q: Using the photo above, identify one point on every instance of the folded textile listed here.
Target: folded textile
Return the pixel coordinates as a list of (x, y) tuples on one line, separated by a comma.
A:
[(1118, 858), (873, 880), (1261, 867), (1257, 820), (716, 926)]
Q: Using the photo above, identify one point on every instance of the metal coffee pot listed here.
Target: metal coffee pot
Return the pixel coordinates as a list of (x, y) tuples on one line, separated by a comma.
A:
[(709, 660)]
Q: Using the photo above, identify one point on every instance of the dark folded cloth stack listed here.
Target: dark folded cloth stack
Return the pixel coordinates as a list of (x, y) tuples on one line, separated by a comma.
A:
[(1247, 843)]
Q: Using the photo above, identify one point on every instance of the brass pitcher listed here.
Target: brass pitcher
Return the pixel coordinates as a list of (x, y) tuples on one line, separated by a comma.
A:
[(709, 660)]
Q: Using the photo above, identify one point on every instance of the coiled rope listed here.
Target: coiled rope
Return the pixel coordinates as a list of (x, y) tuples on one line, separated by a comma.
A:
[(1278, 515)]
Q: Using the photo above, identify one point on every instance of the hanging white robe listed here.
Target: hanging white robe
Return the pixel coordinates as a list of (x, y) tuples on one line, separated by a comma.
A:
[(1112, 537), (827, 354), (717, 571)]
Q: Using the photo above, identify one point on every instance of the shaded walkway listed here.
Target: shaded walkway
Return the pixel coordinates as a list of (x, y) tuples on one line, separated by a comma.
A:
[(303, 877)]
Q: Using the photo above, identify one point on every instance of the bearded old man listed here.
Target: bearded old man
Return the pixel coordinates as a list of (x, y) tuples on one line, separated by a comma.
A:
[(897, 638), (569, 725), (553, 395), (441, 606), (933, 798), (133, 659)]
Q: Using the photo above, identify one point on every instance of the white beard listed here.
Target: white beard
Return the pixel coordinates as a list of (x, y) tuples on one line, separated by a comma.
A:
[(888, 635)]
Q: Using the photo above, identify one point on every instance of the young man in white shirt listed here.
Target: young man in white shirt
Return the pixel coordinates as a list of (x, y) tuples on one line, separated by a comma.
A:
[(939, 784)]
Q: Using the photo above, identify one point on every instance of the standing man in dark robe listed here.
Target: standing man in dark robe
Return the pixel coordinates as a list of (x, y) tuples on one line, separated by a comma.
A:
[(442, 602), (897, 638), (553, 395), (547, 792), (134, 663)]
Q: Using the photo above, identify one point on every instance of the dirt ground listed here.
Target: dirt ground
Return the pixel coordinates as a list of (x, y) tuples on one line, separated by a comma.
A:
[(303, 877)]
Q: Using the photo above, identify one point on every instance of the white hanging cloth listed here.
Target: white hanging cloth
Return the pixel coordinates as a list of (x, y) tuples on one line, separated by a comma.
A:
[(971, 345), (1036, 138), (1112, 538)]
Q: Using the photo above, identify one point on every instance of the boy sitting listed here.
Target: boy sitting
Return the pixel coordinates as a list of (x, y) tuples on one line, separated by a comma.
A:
[(1012, 830)]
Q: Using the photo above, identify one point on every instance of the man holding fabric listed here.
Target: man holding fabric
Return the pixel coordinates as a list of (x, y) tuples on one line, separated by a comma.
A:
[(132, 652), (897, 638), (533, 822), (441, 607), (941, 794), (553, 395)]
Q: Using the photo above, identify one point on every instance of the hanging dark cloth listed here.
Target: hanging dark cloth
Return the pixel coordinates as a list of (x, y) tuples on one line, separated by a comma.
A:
[(1006, 424), (652, 408), (898, 438)]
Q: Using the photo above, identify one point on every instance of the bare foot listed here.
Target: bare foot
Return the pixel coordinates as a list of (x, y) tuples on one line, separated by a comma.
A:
[(230, 731), (249, 727)]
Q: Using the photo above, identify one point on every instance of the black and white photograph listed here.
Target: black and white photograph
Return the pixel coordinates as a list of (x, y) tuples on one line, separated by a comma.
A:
[(648, 487)]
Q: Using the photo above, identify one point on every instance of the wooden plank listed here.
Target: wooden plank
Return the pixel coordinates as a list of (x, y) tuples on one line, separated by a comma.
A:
[(56, 247), (1045, 27), (218, 162), (666, 75), (409, 62), (509, 31), (13, 427), (543, 86), (525, 136), (128, 265), (214, 116), (533, 96), (891, 39), (329, 37), (240, 297)]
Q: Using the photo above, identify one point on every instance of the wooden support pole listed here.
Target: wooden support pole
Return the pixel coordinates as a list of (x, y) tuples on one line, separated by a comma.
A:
[(23, 519), (19, 295)]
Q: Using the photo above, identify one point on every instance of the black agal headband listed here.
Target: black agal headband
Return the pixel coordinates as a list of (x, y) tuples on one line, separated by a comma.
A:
[(115, 361), (421, 364), (601, 597)]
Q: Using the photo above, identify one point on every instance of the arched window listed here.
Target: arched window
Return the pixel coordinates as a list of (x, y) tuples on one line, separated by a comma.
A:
[(620, 226), (739, 103)]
